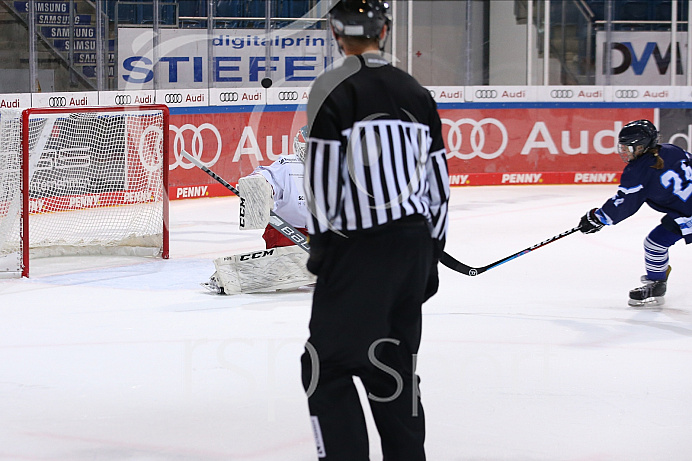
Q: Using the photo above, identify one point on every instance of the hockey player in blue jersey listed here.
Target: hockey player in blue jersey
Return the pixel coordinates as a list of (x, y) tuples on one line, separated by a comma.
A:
[(659, 175)]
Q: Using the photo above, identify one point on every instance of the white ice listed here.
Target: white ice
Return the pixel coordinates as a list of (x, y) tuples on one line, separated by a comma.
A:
[(537, 359)]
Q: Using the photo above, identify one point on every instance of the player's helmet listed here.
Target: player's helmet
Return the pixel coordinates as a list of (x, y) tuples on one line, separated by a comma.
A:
[(636, 138), (300, 143), (359, 18)]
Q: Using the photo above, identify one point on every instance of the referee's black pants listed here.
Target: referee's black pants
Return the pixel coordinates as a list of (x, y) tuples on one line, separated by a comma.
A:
[(366, 322)]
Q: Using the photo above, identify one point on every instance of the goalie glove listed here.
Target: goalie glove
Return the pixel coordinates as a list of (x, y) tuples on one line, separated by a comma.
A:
[(590, 222)]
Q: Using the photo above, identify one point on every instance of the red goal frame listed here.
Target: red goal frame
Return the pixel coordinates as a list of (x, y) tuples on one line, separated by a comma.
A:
[(24, 216)]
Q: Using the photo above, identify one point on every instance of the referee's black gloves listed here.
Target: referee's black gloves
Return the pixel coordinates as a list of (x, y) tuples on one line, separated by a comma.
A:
[(433, 278), (318, 247)]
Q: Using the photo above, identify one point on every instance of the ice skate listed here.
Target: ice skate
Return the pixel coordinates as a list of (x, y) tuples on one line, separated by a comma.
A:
[(651, 294), (213, 285)]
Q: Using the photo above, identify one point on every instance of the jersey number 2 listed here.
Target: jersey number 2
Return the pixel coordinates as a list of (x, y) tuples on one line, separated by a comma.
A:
[(671, 176)]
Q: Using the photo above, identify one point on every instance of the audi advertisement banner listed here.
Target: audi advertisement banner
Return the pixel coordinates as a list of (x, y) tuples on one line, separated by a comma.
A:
[(71, 99), (502, 94), (234, 57), (129, 98), (535, 146), (485, 146), (231, 144), (236, 96), (287, 93), (185, 98), (15, 100)]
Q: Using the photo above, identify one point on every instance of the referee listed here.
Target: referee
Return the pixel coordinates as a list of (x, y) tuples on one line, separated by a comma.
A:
[(377, 186)]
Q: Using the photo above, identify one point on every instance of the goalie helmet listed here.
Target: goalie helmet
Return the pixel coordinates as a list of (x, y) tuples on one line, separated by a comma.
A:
[(300, 143), (636, 138), (359, 18)]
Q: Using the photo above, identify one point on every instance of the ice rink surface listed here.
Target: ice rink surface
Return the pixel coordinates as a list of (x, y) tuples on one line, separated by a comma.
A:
[(538, 359)]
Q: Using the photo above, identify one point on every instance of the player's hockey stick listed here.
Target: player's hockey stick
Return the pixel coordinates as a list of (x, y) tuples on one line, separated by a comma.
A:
[(276, 221), (468, 270)]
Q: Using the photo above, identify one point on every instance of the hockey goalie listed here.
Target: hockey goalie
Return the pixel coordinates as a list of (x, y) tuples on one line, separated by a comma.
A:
[(282, 265)]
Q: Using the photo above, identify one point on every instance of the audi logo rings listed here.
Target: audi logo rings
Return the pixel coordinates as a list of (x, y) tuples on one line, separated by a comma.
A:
[(122, 99), (149, 148), (626, 94), (57, 101), (288, 96), (173, 98), (476, 139), (229, 96), (486, 94), (197, 147), (561, 94)]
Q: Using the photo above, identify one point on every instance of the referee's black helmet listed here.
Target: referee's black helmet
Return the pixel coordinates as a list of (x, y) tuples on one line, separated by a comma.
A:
[(359, 18)]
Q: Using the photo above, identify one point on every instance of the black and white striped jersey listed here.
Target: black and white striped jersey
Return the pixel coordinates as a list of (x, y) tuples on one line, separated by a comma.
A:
[(375, 151)]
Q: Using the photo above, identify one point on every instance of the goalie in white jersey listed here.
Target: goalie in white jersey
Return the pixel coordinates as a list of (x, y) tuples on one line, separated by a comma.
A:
[(282, 265), (279, 187)]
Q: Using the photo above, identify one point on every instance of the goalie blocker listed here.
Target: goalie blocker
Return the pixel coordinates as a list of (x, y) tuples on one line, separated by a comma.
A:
[(256, 202), (261, 271)]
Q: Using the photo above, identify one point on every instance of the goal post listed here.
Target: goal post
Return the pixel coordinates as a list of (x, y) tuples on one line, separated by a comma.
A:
[(79, 181)]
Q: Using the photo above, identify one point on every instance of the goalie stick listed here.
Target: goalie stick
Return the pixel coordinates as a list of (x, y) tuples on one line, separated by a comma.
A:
[(276, 221), (280, 224), (455, 265)]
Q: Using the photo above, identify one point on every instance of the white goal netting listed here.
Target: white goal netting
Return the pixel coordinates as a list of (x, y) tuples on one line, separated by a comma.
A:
[(95, 183)]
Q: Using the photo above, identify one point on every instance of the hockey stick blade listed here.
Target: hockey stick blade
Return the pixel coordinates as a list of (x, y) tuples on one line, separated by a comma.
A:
[(276, 221), (455, 265)]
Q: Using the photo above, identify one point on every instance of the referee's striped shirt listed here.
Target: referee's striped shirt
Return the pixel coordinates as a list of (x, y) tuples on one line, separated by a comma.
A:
[(375, 151)]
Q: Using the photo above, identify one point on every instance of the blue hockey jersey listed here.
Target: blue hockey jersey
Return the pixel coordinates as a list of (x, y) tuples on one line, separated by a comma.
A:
[(668, 190)]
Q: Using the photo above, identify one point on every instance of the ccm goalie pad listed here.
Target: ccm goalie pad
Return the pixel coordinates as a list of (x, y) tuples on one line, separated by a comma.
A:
[(256, 201), (261, 271)]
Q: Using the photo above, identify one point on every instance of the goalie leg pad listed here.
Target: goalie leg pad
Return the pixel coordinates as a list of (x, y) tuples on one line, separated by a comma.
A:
[(257, 200), (264, 270)]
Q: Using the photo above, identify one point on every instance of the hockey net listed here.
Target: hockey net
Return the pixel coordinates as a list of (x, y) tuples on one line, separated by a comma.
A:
[(82, 181)]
